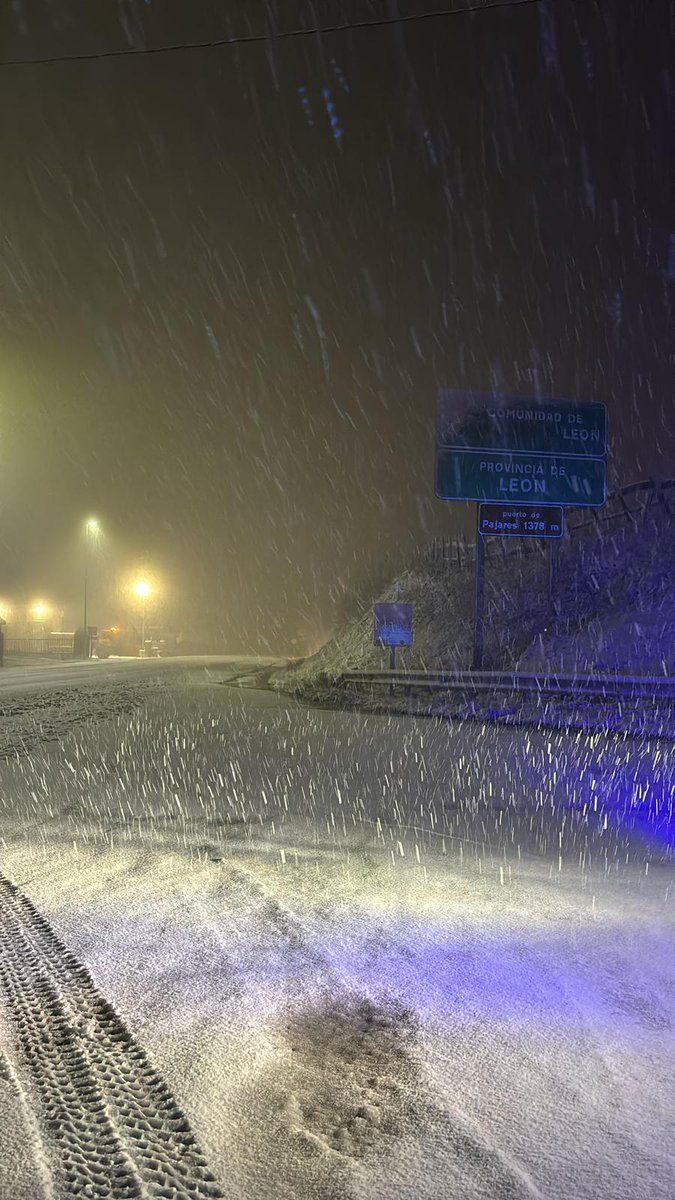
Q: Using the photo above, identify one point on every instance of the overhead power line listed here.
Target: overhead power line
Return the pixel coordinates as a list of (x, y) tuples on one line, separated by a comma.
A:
[(477, 6)]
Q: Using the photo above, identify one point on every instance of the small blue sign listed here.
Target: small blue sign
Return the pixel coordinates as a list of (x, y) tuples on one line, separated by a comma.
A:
[(521, 520), (393, 625)]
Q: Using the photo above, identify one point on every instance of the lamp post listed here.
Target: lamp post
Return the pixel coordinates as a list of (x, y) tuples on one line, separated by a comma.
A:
[(82, 644), (90, 530), (142, 589)]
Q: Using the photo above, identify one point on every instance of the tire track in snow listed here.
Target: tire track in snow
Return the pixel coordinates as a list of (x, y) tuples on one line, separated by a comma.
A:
[(118, 1133), (23, 1125), (498, 1173)]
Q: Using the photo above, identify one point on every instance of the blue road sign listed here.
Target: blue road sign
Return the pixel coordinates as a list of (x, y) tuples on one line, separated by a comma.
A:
[(393, 625), (521, 520)]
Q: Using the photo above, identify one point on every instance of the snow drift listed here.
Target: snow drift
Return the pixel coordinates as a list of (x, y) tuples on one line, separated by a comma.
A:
[(612, 607)]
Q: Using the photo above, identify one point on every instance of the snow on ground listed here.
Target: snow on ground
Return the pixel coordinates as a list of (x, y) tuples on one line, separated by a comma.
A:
[(371, 957), (633, 716), (614, 610), (30, 720), (614, 614)]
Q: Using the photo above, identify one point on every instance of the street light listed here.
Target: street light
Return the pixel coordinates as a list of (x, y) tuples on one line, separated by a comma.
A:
[(142, 589), (40, 611)]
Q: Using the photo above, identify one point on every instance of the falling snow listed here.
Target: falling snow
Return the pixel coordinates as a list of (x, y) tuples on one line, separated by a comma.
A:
[(267, 933)]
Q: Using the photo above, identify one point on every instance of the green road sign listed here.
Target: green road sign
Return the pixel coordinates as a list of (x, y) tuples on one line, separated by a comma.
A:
[(499, 422), (535, 478)]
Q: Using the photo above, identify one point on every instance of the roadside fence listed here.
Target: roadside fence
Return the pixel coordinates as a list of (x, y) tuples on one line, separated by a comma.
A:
[(52, 645), (628, 505)]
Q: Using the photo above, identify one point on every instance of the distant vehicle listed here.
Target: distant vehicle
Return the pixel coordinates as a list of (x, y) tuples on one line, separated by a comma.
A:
[(125, 643), (116, 640)]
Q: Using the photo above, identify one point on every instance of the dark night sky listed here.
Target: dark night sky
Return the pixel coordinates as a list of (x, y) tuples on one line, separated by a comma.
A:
[(223, 329)]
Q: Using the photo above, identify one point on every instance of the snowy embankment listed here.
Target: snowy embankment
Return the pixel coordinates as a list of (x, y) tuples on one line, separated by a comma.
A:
[(271, 953), (613, 612)]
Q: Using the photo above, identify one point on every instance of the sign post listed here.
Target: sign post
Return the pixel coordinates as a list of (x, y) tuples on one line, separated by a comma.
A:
[(508, 520), (393, 627), (479, 599), (522, 460)]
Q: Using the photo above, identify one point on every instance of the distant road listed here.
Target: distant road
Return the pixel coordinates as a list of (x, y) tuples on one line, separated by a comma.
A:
[(66, 674)]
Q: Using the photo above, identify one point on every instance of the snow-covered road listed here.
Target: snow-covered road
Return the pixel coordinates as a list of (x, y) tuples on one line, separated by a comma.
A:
[(368, 957), (73, 673)]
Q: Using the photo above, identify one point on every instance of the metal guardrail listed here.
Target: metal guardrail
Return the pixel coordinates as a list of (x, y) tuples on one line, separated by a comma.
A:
[(618, 687)]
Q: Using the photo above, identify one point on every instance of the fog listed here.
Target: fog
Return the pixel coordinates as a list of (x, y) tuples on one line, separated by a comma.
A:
[(233, 279)]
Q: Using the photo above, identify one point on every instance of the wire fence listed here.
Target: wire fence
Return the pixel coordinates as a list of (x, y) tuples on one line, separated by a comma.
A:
[(628, 505)]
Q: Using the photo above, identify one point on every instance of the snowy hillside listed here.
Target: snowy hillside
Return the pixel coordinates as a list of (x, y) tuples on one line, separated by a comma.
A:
[(613, 606)]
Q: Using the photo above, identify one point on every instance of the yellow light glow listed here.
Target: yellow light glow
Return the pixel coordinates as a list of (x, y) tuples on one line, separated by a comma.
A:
[(93, 525), (40, 610), (142, 589)]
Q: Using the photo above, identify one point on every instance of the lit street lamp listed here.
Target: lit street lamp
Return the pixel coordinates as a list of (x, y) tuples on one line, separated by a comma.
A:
[(142, 589)]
